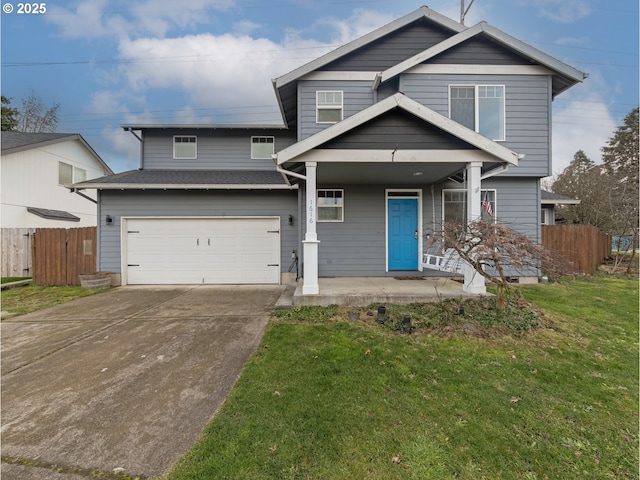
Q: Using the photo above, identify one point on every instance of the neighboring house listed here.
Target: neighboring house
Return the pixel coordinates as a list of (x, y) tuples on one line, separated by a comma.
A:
[(36, 170), (418, 121), (549, 214)]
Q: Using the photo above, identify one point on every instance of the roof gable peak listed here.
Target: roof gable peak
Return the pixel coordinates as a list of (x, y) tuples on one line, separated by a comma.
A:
[(422, 12), (398, 100)]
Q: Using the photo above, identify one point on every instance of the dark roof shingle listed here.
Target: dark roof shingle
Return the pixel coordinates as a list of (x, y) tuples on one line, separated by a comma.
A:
[(203, 178)]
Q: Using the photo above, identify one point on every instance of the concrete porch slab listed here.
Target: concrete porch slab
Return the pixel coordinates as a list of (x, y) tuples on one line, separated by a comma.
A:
[(361, 291)]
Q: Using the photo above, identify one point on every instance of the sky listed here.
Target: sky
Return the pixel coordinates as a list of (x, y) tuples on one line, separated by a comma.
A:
[(110, 63)]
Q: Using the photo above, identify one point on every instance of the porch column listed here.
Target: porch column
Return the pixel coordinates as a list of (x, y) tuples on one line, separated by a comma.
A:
[(310, 242), (473, 281)]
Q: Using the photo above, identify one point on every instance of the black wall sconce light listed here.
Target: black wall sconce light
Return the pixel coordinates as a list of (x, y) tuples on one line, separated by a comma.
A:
[(108, 220), (290, 220)]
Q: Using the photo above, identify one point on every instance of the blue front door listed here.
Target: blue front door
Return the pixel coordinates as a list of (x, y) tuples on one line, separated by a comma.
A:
[(402, 233)]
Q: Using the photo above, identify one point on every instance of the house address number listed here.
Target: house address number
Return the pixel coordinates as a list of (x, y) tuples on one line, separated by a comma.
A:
[(311, 214)]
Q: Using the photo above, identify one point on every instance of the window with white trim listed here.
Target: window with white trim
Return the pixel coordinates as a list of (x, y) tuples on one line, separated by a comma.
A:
[(329, 106), (68, 174), (330, 205), (455, 205), (262, 147), (480, 108), (185, 147)]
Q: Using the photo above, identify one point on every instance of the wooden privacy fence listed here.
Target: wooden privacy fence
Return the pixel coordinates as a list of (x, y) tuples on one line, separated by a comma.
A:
[(584, 246), (16, 252), (61, 254)]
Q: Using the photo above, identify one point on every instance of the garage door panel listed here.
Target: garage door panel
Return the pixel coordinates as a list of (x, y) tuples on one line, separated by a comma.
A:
[(203, 250)]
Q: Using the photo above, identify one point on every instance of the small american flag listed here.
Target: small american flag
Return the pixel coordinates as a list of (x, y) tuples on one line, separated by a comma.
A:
[(486, 204)]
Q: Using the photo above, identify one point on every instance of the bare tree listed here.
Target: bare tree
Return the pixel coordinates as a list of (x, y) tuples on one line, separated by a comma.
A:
[(494, 250), (621, 162), (36, 117)]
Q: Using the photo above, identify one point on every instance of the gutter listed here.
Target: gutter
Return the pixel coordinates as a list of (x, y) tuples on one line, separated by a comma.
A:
[(78, 192)]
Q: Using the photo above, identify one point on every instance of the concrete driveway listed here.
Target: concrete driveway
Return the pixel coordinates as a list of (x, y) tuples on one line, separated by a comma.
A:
[(125, 380)]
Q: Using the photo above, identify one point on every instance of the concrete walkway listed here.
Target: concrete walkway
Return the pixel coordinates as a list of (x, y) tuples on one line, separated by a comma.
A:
[(124, 380)]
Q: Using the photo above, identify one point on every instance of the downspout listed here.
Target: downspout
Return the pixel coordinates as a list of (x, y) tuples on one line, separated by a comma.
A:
[(78, 192), (287, 172)]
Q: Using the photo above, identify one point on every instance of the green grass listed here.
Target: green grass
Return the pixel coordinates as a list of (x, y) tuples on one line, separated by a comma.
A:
[(324, 398), (33, 297), (12, 279)]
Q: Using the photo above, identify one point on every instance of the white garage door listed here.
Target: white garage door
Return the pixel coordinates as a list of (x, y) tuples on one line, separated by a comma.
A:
[(241, 250)]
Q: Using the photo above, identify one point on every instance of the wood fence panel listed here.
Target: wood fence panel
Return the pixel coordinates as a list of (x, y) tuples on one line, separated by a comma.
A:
[(81, 253), (16, 252), (60, 255), (584, 246)]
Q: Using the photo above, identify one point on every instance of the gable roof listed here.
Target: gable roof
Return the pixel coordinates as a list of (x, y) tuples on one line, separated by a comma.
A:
[(556, 199), (13, 142), (572, 75), (422, 12), (399, 100), (564, 76)]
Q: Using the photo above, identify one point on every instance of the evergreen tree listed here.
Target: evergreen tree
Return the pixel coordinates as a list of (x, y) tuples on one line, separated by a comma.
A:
[(9, 115)]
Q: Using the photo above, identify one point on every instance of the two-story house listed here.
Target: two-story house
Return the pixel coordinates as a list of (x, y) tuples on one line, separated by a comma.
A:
[(421, 121), (36, 169)]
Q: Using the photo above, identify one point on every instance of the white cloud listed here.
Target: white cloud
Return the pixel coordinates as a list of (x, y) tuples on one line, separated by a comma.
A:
[(581, 121), (120, 19), (573, 41), (564, 11), (358, 24), (230, 70), (212, 71)]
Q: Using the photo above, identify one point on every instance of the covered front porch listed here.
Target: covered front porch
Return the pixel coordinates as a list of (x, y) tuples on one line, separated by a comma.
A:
[(415, 150), (362, 291)]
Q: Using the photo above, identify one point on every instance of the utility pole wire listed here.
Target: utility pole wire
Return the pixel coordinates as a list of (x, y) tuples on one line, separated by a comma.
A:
[(463, 12)]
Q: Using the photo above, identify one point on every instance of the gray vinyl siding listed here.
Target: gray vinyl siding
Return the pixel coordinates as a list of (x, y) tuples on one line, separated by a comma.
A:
[(193, 203), (420, 36), (528, 112), (356, 97), (398, 129), (393, 48), (479, 51), (357, 246), (216, 149)]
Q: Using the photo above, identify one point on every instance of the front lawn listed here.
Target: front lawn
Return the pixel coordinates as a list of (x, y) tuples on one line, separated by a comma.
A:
[(34, 297), (325, 398)]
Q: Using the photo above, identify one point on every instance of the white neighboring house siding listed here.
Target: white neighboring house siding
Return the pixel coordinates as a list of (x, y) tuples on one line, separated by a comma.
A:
[(30, 179)]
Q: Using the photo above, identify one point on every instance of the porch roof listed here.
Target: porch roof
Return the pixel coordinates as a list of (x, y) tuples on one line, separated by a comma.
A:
[(188, 180), (489, 150)]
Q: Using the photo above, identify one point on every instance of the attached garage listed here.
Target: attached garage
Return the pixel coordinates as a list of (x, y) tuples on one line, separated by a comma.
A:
[(200, 250)]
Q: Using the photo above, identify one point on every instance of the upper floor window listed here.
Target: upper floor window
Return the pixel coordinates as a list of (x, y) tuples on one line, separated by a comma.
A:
[(329, 107), (68, 174), (262, 147), (330, 205), (480, 108), (185, 146)]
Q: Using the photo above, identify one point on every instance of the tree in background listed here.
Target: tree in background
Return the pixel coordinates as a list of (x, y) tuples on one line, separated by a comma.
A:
[(620, 163), (35, 117), (609, 193), (9, 115), (582, 179)]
